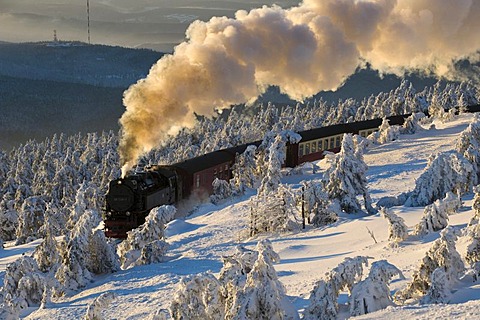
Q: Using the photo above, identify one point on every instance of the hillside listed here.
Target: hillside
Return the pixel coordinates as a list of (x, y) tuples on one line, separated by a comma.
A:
[(197, 243), (64, 87)]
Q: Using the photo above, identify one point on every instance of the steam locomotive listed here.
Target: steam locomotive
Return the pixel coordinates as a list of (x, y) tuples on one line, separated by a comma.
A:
[(130, 199)]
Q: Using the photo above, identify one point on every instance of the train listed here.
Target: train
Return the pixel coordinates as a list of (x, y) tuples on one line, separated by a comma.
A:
[(130, 199)]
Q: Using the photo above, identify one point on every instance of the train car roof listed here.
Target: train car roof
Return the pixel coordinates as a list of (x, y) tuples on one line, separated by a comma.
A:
[(241, 148), (204, 162), (352, 127)]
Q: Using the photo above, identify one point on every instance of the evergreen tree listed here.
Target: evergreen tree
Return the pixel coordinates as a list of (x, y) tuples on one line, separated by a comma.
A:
[(442, 254), (373, 294), (146, 244), (8, 219), (198, 297), (397, 229), (94, 310), (346, 178), (447, 171), (23, 285), (323, 298), (30, 220)]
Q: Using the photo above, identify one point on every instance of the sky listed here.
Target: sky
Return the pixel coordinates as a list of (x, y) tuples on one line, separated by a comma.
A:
[(154, 24)]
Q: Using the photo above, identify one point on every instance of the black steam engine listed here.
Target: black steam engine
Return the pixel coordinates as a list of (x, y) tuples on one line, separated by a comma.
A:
[(131, 198)]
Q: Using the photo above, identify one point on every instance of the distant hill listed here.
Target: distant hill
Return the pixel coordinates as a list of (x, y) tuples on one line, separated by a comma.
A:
[(68, 87), (76, 62)]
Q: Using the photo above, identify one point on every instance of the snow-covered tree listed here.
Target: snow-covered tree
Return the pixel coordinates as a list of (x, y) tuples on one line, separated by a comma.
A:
[(447, 171), (263, 295), (275, 212), (46, 254), (476, 206), (317, 205), (439, 290), (244, 170), (247, 288), (373, 294), (434, 218), (386, 133), (233, 275), (8, 219), (323, 298), (23, 285), (146, 244), (473, 250), (397, 229), (411, 124), (346, 178), (221, 190), (442, 254), (102, 253), (451, 203), (30, 219), (85, 252), (98, 305), (468, 143), (275, 159), (198, 297)]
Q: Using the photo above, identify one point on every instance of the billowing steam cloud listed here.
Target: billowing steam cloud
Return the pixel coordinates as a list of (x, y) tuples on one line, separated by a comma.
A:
[(303, 50)]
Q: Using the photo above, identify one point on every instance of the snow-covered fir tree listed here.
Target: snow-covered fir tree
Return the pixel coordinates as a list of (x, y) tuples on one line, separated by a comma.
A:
[(373, 294), (317, 206), (439, 290), (442, 254), (23, 286), (468, 144), (46, 254), (275, 212), (247, 288), (264, 295), (8, 219), (100, 303), (346, 178), (244, 170), (446, 171), (452, 203), (198, 297), (30, 219), (434, 218), (146, 244), (386, 133), (275, 159), (411, 124), (323, 301), (221, 190), (397, 229), (476, 206), (472, 256), (85, 252)]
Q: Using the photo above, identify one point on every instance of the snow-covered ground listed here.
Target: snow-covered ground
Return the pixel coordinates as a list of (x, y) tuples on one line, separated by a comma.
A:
[(198, 243)]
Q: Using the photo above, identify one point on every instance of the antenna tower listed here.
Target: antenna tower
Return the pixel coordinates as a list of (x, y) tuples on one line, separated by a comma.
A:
[(88, 20)]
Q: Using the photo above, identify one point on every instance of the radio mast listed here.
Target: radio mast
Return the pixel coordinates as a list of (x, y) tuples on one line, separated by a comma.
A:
[(88, 20)]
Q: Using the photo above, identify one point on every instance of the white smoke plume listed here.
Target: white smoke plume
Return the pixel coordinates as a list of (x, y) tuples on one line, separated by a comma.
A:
[(305, 49)]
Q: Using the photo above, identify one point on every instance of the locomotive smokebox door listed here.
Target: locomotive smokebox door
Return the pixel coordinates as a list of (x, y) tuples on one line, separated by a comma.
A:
[(120, 196)]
